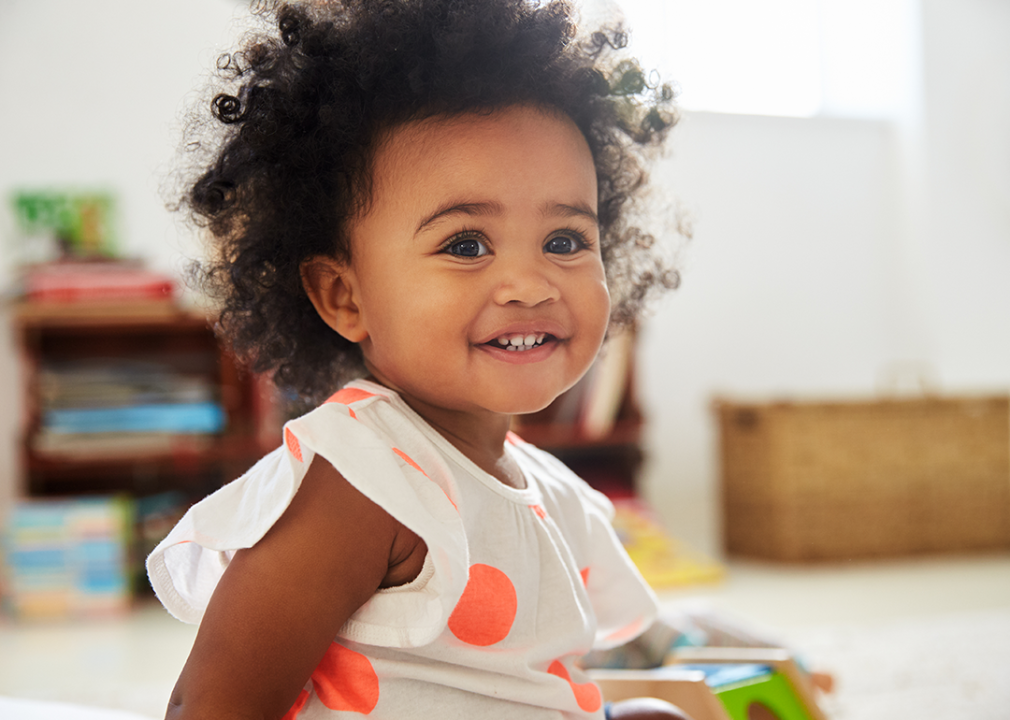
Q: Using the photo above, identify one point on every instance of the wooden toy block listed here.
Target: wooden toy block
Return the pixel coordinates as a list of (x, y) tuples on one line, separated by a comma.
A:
[(686, 689), (792, 696), (721, 684)]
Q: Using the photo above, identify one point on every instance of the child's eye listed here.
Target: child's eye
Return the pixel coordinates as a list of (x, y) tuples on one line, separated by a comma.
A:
[(466, 247), (565, 244)]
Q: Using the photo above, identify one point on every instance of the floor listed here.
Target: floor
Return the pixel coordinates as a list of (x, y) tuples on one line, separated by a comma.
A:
[(131, 663)]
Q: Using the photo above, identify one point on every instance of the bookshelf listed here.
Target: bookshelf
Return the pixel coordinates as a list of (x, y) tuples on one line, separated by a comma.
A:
[(132, 411), (113, 348), (595, 427)]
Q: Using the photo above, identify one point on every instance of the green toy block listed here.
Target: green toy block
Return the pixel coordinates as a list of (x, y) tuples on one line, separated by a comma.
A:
[(753, 683), (767, 697)]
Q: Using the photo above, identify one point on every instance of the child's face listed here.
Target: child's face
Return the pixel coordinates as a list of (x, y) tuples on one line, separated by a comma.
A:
[(481, 231)]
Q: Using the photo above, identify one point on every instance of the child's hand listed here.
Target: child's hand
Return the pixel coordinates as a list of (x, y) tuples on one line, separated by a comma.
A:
[(646, 709)]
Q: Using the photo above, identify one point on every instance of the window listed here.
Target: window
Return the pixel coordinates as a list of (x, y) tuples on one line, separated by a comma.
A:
[(780, 57)]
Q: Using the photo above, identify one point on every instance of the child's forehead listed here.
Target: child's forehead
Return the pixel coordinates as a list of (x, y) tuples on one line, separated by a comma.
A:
[(514, 159), (440, 132), (512, 140)]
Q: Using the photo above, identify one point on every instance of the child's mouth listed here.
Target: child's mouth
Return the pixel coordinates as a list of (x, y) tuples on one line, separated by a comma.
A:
[(518, 342)]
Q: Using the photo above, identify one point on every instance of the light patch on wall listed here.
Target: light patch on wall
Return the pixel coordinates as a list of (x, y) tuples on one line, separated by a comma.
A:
[(799, 58), (733, 55)]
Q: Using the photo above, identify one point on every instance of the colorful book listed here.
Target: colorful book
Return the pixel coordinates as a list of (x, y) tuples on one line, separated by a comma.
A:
[(74, 282), (664, 561), (607, 382), (68, 558), (201, 417)]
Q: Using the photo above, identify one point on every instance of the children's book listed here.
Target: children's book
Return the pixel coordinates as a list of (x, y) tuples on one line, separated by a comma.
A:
[(199, 417), (664, 561), (73, 282), (68, 558)]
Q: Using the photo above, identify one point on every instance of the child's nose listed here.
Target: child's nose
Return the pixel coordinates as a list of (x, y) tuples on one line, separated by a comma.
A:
[(526, 282)]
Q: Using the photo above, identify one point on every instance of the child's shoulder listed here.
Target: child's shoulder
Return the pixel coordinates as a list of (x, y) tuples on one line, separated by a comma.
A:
[(359, 415), (359, 393), (351, 433)]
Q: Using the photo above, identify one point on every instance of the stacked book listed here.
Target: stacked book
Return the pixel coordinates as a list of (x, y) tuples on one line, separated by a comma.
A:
[(68, 558), (114, 407), (95, 281)]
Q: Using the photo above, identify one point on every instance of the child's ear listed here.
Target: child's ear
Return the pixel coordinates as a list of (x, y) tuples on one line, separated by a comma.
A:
[(332, 288)]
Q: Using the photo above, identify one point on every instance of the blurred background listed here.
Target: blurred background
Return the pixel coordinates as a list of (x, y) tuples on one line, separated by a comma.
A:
[(844, 165), (847, 167)]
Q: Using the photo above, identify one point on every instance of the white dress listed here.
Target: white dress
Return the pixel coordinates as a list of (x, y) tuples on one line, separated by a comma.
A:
[(515, 587)]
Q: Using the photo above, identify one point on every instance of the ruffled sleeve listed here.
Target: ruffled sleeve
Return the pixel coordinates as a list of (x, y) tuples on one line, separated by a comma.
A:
[(186, 566)]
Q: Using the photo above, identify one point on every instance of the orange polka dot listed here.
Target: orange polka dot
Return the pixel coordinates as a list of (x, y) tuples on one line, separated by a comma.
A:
[(303, 697), (584, 572), (487, 609), (541, 513), (587, 695), (346, 681), (292, 442), (348, 396), (514, 439), (409, 461)]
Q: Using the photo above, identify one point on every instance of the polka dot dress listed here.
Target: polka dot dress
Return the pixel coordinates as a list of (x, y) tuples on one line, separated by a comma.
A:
[(516, 586)]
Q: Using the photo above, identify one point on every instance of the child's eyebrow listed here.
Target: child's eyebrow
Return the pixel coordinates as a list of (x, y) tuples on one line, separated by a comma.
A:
[(470, 209), (484, 209), (567, 211)]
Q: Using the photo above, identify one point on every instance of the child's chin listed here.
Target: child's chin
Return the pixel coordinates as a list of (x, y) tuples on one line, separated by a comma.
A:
[(528, 406)]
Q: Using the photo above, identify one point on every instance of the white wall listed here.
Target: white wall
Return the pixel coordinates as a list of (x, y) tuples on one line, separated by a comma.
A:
[(92, 94), (963, 259), (825, 250)]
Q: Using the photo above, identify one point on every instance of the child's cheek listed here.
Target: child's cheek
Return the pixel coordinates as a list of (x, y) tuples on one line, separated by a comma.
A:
[(601, 304)]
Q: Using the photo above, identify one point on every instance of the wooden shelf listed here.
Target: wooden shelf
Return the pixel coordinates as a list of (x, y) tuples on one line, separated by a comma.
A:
[(154, 313), (184, 451), (142, 331)]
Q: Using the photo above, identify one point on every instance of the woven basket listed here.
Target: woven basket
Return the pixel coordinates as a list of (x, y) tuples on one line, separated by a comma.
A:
[(839, 480)]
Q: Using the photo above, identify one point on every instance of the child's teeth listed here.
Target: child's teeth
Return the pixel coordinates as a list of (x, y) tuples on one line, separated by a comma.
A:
[(521, 342)]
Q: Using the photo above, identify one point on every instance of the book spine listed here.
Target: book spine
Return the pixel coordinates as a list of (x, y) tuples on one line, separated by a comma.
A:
[(156, 291), (180, 418)]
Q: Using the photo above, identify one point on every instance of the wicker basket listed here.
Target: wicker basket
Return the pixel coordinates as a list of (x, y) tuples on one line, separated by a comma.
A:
[(839, 480)]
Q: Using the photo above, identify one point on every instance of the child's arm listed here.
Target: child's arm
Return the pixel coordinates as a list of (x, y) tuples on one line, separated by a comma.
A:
[(279, 604)]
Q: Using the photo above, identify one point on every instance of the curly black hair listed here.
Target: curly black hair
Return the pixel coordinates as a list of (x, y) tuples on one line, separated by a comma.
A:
[(308, 101)]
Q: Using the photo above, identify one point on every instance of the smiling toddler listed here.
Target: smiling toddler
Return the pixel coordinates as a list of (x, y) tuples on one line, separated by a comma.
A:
[(419, 216)]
